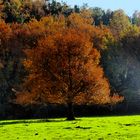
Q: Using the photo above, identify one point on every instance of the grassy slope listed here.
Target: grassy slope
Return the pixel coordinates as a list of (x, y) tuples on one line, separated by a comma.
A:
[(102, 128)]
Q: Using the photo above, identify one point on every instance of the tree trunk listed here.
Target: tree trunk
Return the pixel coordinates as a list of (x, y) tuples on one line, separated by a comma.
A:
[(70, 115)]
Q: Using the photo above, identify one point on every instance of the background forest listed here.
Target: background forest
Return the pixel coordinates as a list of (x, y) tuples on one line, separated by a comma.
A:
[(36, 73)]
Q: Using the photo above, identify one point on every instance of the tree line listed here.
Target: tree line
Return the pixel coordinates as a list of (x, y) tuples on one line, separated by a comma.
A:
[(52, 53)]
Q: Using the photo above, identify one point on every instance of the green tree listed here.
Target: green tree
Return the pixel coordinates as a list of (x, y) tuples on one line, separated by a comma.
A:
[(97, 14), (136, 18), (107, 17)]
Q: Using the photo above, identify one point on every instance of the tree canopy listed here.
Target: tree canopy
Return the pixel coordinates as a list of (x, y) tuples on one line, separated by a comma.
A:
[(53, 53)]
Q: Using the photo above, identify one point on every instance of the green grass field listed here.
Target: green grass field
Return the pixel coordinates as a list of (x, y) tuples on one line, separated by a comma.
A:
[(94, 128)]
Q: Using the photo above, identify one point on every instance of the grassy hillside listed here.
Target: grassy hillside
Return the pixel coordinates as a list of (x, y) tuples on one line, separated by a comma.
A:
[(101, 128)]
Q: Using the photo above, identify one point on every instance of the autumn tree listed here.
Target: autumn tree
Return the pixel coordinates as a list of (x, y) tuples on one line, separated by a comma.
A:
[(11, 11), (64, 68), (119, 23)]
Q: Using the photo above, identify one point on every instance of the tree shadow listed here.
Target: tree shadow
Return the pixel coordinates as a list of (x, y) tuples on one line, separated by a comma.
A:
[(28, 121), (8, 122)]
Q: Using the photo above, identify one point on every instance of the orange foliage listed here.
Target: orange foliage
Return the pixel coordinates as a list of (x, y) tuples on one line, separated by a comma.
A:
[(100, 35), (5, 32), (67, 65), (64, 64), (30, 33)]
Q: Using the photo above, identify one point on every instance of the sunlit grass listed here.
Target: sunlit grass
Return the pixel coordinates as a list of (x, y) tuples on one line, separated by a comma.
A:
[(96, 128)]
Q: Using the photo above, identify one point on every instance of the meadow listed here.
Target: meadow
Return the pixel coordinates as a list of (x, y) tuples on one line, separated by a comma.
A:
[(91, 128)]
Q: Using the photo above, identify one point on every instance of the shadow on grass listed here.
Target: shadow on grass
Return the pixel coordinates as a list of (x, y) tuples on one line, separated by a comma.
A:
[(32, 121), (27, 121), (77, 127)]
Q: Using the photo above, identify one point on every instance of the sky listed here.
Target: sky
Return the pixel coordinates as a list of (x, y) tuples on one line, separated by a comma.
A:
[(129, 6)]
